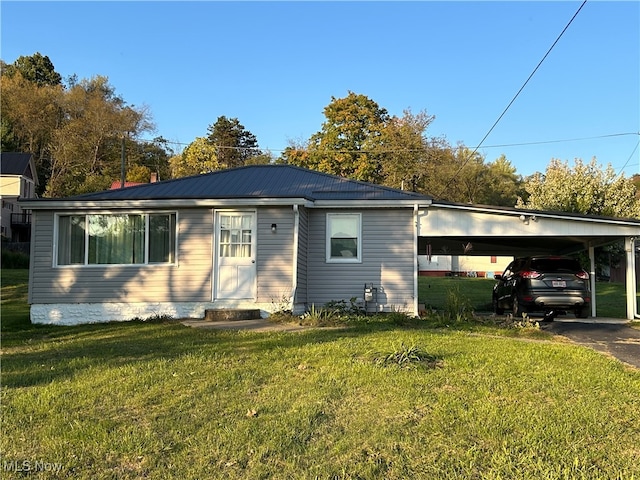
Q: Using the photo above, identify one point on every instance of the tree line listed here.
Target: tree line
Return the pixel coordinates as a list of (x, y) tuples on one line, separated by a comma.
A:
[(77, 131)]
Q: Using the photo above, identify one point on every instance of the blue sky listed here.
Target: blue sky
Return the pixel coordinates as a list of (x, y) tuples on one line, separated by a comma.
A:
[(275, 67)]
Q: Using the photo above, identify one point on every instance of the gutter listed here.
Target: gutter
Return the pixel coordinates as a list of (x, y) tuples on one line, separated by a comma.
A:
[(129, 204), (541, 214)]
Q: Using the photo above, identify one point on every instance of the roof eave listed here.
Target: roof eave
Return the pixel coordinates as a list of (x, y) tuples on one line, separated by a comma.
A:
[(54, 204), (538, 214), (406, 203)]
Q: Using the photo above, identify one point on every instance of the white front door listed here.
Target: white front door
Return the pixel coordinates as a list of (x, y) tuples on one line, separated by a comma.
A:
[(236, 277)]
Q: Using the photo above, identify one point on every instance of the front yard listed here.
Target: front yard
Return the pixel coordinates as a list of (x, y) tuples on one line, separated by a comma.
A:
[(379, 398)]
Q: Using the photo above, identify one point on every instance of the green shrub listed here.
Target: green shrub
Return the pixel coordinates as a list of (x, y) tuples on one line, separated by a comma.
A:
[(11, 259), (341, 308)]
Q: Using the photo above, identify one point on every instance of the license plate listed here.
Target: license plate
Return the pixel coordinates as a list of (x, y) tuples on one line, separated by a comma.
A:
[(558, 283)]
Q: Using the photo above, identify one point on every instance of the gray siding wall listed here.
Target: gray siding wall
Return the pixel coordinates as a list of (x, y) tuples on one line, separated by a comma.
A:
[(387, 254), (303, 250), (189, 280), (274, 256), (387, 260)]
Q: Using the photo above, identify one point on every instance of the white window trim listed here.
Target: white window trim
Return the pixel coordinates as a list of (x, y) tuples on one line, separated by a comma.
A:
[(329, 258), (86, 263)]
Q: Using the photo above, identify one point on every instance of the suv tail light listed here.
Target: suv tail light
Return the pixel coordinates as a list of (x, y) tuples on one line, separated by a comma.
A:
[(583, 275), (530, 274)]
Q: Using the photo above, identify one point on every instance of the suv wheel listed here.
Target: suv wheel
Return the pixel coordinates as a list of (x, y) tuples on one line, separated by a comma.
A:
[(497, 310), (517, 309), (582, 312)]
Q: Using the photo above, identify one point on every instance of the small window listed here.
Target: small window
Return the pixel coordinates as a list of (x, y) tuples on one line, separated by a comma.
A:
[(344, 237)]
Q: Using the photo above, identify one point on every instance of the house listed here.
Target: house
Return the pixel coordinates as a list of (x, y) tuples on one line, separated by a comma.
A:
[(259, 236), (442, 265), (274, 237), (116, 184), (18, 180)]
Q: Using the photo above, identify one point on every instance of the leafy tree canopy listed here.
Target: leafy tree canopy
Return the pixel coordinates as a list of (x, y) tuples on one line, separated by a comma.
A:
[(76, 134), (35, 68), (360, 140), (199, 157), (349, 142), (235, 145), (585, 188)]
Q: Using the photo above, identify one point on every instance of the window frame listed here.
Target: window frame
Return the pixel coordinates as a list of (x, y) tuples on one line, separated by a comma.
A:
[(146, 216), (328, 257)]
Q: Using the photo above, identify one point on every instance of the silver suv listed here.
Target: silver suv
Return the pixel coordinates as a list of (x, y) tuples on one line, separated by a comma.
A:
[(546, 285)]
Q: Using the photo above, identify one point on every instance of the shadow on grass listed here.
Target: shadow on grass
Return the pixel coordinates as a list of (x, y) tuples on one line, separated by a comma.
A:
[(42, 354)]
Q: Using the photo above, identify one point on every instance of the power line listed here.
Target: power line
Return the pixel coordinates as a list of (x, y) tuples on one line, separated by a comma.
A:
[(561, 141), (410, 150), (513, 99), (629, 159)]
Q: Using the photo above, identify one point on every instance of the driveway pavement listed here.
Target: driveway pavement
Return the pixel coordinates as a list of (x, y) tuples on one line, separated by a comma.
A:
[(611, 336)]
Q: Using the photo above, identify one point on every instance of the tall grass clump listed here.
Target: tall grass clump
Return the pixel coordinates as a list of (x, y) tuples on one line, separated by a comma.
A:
[(457, 306)]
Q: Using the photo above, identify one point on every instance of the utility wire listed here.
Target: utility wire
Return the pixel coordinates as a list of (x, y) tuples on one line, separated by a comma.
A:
[(629, 159), (561, 141), (512, 100), (410, 150)]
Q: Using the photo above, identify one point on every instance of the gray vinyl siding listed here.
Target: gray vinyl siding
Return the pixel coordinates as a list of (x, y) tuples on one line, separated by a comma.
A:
[(188, 280), (303, 249), (274, 256), (387, 260)]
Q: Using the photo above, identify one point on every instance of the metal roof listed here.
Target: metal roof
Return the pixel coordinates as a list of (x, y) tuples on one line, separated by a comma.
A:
[(256, 182)]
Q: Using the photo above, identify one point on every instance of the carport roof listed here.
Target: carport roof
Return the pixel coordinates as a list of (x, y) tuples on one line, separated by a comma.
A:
[(488, 230)]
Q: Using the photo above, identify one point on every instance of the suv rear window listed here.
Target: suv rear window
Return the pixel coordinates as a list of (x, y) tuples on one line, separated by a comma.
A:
[(555, 265)]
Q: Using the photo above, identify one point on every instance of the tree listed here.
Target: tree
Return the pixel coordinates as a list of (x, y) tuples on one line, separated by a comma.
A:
[(405, 150), (30, 115), (585, 188), (347, 144), (199, 157), (500, 184), (88, 142), (360, 140), (234, 144), (35, 68), (149, 157)]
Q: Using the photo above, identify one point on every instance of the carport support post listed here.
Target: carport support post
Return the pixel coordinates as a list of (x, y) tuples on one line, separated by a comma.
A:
[(631, 277), (592, 275)]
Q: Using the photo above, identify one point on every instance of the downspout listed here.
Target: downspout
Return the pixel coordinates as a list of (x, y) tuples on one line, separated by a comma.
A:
[(416, 232), (294, 267), (632, 304), (592, 279)]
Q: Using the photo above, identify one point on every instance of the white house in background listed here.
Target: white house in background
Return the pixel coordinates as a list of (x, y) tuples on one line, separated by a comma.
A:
[(18, 180), (462, 265)]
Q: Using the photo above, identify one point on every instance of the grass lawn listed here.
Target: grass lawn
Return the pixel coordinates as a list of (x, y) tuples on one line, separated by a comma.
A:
[(378, 399), (432, 291)]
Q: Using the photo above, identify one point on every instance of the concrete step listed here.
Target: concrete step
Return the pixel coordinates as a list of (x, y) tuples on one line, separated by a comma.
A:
[(231, 314)]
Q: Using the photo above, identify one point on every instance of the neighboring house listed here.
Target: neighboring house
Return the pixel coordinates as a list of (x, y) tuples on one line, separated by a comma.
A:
[(440, 265), (266, 236), (116, 184), (18, 180)]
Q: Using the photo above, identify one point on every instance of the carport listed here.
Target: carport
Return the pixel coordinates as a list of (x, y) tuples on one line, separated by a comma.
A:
[(461, 229)]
